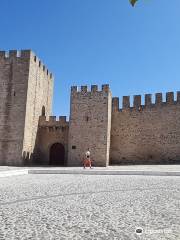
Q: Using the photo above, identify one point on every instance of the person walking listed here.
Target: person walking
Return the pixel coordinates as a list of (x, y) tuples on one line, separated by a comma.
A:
[(87, 160)]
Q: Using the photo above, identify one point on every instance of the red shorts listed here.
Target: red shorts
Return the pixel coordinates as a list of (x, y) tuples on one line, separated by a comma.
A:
[(87, 162)]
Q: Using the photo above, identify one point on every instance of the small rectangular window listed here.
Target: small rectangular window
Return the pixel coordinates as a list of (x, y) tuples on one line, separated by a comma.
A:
[(73, 147)]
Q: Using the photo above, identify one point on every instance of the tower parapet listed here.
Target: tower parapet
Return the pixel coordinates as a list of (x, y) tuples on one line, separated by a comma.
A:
[(170, 97), (148, 99), (115, 104), (12, 54), (158, 98), (137, 101), (52, 121), (92, 89), (126, 101), (23, 55)]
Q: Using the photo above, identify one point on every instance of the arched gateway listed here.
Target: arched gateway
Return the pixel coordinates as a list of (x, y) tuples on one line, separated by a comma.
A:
[(57, 154)]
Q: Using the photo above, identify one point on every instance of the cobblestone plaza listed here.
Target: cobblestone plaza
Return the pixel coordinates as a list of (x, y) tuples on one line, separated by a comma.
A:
[(89, 207)]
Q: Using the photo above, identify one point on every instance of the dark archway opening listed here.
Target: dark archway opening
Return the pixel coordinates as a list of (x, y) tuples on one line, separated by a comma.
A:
[(57, 154), (43, 112)]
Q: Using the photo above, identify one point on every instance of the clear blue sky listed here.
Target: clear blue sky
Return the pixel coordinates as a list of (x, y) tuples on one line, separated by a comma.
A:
[(135, 50)]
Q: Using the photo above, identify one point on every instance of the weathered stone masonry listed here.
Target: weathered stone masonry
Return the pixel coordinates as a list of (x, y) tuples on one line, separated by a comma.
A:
[(140, 134), (25, 87), (90, 124), (147, 133), (51, 131)]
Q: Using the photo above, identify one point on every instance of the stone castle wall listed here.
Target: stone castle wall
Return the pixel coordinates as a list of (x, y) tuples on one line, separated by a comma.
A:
[(39, 95), (147, 133), (14, 74), (50, 131), (142, 134), (89, 125), (25, 86)]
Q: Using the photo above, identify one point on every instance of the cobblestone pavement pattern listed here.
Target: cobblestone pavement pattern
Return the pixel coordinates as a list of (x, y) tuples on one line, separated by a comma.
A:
[(89, 207)]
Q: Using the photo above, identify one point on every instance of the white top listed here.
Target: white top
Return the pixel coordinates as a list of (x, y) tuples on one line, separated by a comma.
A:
[(88, 153)]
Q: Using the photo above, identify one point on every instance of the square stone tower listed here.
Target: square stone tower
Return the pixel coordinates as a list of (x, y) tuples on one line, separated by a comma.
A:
[(26, 88), (90, 125)]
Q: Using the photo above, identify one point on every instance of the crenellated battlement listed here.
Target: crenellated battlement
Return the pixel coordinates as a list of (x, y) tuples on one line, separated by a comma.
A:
[(137, 101), (15, 54), (92, 89), (24, 55), (40, 64), (53, 122)]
